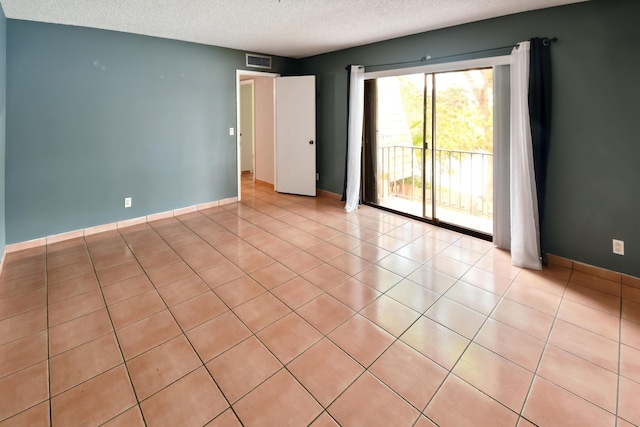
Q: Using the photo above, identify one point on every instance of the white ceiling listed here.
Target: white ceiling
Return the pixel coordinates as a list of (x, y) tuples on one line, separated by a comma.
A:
[(292, 28)]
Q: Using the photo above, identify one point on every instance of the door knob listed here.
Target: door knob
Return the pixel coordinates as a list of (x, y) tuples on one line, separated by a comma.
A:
[(311, 142)]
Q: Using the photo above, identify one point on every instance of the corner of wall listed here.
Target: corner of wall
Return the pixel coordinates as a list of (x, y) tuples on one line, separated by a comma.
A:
[(3, 130)]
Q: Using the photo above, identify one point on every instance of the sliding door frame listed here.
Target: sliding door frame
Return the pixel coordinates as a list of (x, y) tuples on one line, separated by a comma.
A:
[(432, 70), (444, 67)]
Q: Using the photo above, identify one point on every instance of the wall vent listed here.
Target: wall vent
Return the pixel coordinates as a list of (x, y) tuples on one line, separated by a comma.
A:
[(258, 61)]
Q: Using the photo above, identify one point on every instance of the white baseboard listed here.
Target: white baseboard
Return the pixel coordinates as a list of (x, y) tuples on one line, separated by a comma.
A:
[(29, 244)]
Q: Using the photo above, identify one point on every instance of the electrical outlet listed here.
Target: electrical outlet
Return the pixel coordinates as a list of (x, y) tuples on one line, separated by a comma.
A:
[(127, 202), (618, 247), (317, 177), (231, 131)]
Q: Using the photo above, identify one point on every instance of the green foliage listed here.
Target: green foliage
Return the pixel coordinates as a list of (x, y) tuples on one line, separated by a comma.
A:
[(412, 95), (464, 110)]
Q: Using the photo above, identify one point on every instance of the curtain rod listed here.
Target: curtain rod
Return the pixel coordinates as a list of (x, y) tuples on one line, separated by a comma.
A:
[(545, 41)]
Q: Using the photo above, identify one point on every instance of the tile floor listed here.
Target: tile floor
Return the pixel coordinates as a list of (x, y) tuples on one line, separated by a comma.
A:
[(286, 311)]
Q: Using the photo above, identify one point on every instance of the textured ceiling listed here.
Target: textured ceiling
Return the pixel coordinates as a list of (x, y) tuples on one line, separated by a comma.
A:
[(292, 28)]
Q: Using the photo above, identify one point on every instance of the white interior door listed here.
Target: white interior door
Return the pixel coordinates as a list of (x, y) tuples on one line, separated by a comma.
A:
[(296, 135)]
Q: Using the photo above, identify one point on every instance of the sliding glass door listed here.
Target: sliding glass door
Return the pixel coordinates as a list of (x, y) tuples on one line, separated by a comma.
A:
[(400, 144), (429, 146)]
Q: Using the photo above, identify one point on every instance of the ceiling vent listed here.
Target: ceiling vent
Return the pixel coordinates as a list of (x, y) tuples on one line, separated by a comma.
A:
[(258, 61)]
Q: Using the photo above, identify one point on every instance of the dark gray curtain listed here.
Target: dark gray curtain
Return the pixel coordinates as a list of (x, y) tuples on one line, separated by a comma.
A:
[(540, 114), (346, 157), (370, 142)]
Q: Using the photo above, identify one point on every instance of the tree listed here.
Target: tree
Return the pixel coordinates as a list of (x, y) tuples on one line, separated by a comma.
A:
[(463, 122), (412, 94), (464, 109)]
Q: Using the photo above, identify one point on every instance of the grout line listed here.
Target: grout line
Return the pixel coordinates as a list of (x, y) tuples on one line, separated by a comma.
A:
[(293, 311), (397, 338), (113, 326), (254, 334), (617, 414), (546, 345), (296, 208), (46, 284), (471, 341), (203, 363)]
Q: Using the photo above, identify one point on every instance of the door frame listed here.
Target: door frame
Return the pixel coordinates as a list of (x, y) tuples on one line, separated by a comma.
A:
[(239, 74), (249, 82), (454, 66)]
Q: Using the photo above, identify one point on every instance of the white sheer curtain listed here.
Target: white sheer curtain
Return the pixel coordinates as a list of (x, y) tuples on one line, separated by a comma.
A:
[(525, 233), (354, 141)]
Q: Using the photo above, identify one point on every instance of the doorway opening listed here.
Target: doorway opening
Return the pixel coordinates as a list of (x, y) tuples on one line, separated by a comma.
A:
[(429, 146), (261, 120), (246, 129), (284, 128)]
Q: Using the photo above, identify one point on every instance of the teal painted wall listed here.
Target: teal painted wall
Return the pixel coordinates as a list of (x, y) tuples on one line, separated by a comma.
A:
[(593, 192), (3, 110), (95, 116)]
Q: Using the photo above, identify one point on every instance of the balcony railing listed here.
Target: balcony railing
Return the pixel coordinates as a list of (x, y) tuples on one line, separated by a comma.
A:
[(463, 179)]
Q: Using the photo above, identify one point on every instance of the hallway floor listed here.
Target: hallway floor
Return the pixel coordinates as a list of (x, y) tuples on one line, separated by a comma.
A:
[(286, 311)]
